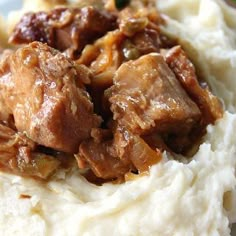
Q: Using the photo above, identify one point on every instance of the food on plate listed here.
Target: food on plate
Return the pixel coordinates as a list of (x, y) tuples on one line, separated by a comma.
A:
[(117, 107)]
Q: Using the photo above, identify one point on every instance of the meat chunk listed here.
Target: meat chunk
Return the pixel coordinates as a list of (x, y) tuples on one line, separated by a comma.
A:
[(44, 91), (106, 55), (113, 158), (100, 156), (134, 151), (18, 155), (32, 27), (4, 110), (101, 160), (185, 73), (147, 97), (137, 34), (146, 41), (66, 29)]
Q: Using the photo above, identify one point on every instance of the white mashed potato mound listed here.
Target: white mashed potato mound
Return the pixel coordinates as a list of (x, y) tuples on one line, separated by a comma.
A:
[(175, 199)]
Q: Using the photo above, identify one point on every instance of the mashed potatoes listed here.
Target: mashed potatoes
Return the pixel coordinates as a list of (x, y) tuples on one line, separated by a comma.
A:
[(176, 198)]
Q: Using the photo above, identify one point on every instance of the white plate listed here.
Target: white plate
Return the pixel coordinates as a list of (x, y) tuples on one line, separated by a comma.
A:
[(7, 5)]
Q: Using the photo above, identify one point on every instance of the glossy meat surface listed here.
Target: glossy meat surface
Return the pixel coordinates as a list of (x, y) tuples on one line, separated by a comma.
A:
[(66, 29), (146, 96), (185, 73), (45, 93)]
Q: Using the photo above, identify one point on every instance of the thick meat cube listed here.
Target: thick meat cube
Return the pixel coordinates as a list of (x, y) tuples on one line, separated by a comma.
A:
[(18, 156), (146, 96), (64, 28), (45, 93), (185, 72)]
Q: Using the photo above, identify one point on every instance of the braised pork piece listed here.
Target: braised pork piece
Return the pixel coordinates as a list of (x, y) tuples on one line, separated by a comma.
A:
[(103, 84), (64, 29), (185, 73), (19, 155), (147, 97), (45, 93)]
